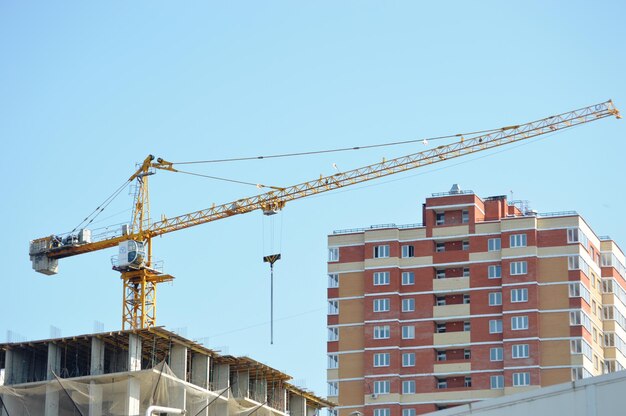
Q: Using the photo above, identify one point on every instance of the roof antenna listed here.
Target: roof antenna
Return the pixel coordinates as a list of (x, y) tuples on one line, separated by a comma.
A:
[(271, 259)]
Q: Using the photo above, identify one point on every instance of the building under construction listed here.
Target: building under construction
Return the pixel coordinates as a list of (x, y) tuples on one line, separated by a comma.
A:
[(136, 372)]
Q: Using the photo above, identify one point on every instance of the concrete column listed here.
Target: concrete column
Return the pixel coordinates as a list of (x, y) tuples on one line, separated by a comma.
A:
[(13, 404), (297, 405), (178, 365), (221, 380), (133, 398), (200, 377), (97, 357), (243, 380), (53, 387), (200, 366), (9, 374), (95, 399)]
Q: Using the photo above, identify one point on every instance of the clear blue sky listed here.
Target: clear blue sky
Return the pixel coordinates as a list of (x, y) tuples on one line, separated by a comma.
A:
[(88, 89)]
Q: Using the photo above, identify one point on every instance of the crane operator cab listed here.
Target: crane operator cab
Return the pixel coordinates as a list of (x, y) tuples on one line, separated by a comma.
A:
[(131, 255)]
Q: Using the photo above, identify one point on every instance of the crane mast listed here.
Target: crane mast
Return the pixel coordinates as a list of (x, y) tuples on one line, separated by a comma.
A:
[(138, 270)]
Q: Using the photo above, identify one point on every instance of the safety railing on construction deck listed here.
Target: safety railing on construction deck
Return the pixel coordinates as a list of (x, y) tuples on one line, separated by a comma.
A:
[(419, 225)]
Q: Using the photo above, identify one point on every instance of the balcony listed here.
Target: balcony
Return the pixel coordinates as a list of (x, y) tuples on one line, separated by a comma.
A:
[(458, 367), (451, 284), (446, 311), (451, 338)]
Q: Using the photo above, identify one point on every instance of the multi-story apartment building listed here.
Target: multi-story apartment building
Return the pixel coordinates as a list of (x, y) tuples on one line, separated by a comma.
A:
[(483, 299)]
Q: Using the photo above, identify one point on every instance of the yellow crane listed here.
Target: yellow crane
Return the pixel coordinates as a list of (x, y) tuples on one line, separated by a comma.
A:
[(140, 275)]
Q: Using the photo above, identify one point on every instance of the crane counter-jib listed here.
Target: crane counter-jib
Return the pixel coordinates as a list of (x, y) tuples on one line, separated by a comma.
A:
[(134, 240)]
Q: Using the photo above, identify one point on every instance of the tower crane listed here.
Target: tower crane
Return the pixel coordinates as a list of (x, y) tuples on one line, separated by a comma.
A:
[(141, 275)]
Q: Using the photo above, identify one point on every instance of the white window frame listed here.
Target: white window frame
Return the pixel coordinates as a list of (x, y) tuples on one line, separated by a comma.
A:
[(519, 295), (520, 351), (521, 379), (384, 411), (382, 359), (408, 251), (465, 216), (333, 254), (408, 332), (495, 298), (408, 386), (333, 334), (519, 323), (408, 359), (496, 354), (518, 268), (408, 412), (382, 387), (382, 332), (333, 361), (494, 271), (381, 278), (408, 278), (517, 240), (494, 244), (333, 280), (333, 388), (333, 307), (381, 251), (496, 382), (408, 305), (495, 326), (438, 220), (381, 305)]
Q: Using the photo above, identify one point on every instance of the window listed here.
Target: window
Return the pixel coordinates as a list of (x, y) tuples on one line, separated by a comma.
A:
[(408, 251), (467, 354), (496, 354), (494, 272), (333, 280), (333, 388), (408, 278), (441, 356), (440, 247), (333, 361), (520, 351), (465, 216), (468, 381), (408, 305), (496, 382), (441, 328), (519, 267), (517, 240), (495, 298), (408, 332), (440, 301), (408, 359), (519, 295), (333, 412), (381, 332), (578, 289), (381, 251), (333, 334), (440, 218), (408, 412), (577, 374), (333, 254), (381, 305), (381, 278), (465, 245), (578, 263), (466, 299), (382, 412), (381, 359), (466, 272), (442, 383), (382, 387), (521, 379), (494, 244), (408, 387), (495, 326), (333, 307), (441, 274), (467, 326), (519, 323), (572, 235)]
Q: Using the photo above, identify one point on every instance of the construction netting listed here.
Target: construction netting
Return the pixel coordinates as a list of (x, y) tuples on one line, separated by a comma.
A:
[(124, 394)]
